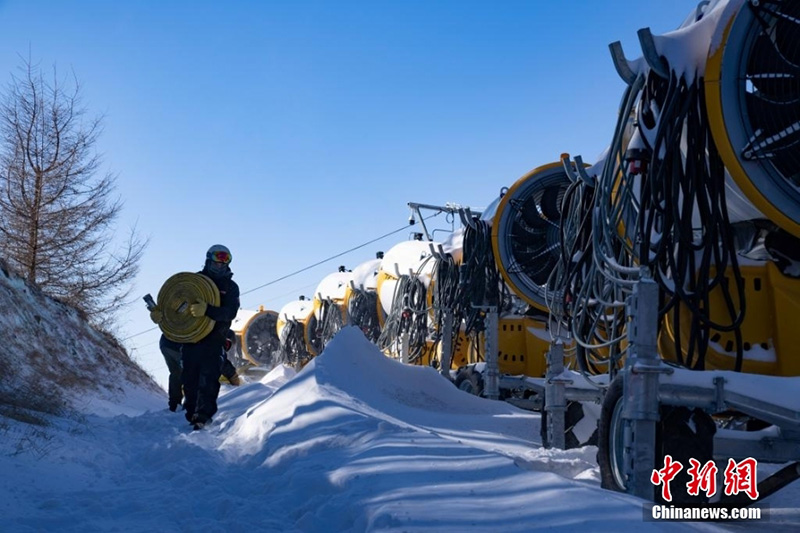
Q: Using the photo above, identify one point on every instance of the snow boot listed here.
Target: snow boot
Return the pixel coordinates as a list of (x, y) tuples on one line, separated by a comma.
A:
[(199, 422)]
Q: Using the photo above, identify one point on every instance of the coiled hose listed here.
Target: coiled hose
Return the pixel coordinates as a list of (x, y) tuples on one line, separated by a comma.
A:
[(293, 344), (176, 295), (330, 321)]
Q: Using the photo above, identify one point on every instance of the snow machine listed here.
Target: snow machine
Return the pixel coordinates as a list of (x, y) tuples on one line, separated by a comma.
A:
[(329, 306), (689, 238), (297, 331)]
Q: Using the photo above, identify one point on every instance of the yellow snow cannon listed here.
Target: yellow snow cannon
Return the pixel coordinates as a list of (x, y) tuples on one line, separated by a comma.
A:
[(410, 259), (297, 332), (752, 105), (526, 232), (715, 251), (177, 294), (404, 300), (238, 324), (259, 342), (361, 298), (329, 306)]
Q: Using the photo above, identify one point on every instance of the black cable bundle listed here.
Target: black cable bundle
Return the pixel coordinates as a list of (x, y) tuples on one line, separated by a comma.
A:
[(362, 310), (446, 288), (575, 262), (330, 322), (293, 343), (480, 283), (681, 254), (409, 314)]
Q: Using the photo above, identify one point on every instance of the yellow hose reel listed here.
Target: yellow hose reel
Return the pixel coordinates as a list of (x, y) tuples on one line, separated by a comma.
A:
[(176, 295)]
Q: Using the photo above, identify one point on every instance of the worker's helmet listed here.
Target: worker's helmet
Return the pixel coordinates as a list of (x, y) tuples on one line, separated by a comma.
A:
[(219, 254), (218, 257)]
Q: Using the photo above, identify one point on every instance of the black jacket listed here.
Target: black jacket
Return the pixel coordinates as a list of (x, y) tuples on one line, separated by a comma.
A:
[(223, 314)]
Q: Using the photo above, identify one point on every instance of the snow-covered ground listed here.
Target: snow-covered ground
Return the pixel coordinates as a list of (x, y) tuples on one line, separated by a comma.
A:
[(354, 442)]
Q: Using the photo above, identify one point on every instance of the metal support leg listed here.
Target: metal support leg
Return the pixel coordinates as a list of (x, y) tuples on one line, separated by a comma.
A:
[(405, 341), (447, 343), (492, 367), (555, 398), (640, 391)]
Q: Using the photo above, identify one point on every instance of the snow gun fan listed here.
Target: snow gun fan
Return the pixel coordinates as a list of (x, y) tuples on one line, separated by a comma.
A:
[(175, 297), (526, 232), (260, 343), (753, 99)]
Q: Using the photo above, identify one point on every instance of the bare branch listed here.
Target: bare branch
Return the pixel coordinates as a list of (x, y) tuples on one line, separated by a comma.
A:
[(57, 215)]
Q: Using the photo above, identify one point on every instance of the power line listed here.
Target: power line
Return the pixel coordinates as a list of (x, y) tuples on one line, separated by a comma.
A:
[(331, 258), (140, 333), (398, 230), (293, 291)]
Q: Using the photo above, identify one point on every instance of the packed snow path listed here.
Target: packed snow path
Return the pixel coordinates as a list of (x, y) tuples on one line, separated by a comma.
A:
[(354, 442)]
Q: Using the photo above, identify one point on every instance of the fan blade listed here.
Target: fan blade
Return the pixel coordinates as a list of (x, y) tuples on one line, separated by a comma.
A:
[(551, 203), (527, 235), (530, 214)]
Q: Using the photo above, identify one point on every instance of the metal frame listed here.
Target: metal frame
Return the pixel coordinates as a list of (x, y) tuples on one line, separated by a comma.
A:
[(649, 382), (644, 392)]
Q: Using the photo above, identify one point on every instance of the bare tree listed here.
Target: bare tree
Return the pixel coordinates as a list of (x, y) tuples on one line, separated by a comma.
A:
[(57, 210)]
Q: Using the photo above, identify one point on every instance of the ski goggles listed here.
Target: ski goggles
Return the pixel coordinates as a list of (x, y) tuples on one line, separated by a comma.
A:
[(220, 257)]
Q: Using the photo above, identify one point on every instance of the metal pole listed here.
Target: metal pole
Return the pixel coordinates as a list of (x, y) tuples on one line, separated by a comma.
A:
[(447, 342), (492, 365), (555, 397), (640, 388), (404, 346)]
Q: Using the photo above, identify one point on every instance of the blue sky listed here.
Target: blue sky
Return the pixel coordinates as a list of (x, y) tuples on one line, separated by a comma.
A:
[(293, 131)]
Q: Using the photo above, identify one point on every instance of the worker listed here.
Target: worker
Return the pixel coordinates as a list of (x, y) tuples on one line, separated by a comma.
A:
[(202, 360)]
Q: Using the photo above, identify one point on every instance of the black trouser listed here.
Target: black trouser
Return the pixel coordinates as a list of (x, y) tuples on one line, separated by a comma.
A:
[(173, 360), (201, 371), (227, 368)]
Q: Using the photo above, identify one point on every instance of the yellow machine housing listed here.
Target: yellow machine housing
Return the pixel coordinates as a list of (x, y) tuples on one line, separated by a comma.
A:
[(522, 345), (770, 333), (433, 351)]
